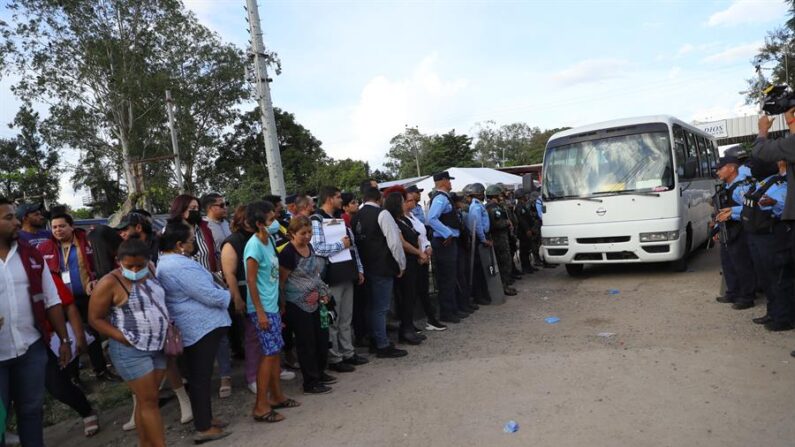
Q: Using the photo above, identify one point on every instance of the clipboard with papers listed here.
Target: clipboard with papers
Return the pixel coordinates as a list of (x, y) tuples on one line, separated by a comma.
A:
[(333, 231)]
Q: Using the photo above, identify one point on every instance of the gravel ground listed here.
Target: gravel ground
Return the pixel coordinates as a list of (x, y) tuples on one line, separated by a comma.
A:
[(658, 364)]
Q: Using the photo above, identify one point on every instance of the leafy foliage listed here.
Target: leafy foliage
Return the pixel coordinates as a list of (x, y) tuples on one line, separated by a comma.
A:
[(433, 152), (775, 59), (28, 167), (512, 144)]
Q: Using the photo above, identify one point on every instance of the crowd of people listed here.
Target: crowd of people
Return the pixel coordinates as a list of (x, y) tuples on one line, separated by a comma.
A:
[(754, 226), (281, 284)]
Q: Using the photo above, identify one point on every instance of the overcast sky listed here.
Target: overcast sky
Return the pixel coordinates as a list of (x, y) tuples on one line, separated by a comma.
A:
[(356, 72)]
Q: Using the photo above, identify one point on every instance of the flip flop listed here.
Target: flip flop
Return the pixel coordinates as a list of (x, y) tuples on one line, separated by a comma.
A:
[(270, 417), (286, 403)]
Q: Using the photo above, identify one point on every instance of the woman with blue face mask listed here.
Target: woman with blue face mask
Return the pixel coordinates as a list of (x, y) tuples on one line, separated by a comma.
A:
[(198, 306), (128, 307)]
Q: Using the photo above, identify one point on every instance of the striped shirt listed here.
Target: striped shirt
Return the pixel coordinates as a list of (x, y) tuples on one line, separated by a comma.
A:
[(203, 253), (141, 318)]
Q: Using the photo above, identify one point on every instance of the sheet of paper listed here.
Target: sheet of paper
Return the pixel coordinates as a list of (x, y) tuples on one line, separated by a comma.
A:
[(334, 231)]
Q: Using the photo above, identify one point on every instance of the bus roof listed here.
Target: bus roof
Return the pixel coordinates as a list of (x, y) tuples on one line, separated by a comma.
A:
[(629, 122)]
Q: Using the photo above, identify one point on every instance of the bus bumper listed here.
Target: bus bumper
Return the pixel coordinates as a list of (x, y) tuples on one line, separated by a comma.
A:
[(613, 243)]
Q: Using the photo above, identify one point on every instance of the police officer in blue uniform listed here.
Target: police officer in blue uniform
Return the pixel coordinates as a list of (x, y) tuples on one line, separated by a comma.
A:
[(446, 225), (734, 255), (769, 244)]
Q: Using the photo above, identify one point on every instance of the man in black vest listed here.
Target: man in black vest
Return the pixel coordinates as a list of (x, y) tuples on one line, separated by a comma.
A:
[(381, 249), (446, 226), (340, 276)]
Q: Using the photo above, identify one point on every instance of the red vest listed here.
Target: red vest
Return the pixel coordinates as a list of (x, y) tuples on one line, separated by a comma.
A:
[(50, 249), (207, 234), (33, 262)]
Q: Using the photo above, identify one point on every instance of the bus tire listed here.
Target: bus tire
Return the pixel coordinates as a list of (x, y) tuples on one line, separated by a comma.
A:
[(680, 265), (575, 269)]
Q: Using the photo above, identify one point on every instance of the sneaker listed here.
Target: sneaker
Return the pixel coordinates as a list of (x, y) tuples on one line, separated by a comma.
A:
[(252, 387), (356, 360), (434, 325), (450, 319), (317, 389), (327, 379), (341, 367), (286, 375), (390, 352)]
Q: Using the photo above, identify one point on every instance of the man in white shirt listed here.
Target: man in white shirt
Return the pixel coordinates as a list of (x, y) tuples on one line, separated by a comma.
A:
[(23, 355)]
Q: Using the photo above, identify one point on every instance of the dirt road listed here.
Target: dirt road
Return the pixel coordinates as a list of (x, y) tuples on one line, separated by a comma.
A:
[(680, 370)]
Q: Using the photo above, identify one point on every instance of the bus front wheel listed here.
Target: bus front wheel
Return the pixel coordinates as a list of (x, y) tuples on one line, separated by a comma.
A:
[(574, 269)]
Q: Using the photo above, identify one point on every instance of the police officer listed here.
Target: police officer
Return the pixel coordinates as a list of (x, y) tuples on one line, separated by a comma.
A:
[(524, 230), (500, 227), (478, 226), (734, 255), (508, 200), (769, 244), (446, 225)]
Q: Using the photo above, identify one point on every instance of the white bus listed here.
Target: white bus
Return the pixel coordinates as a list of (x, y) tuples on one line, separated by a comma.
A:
[(630, 190)]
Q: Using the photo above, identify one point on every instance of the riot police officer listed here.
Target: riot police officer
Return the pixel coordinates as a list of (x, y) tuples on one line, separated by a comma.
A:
[(524, 231), (734, 255), (769, 244), (500, 227), (477, 223)]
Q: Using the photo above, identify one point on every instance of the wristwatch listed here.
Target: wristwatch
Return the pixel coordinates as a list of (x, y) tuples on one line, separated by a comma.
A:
[(66, 341)]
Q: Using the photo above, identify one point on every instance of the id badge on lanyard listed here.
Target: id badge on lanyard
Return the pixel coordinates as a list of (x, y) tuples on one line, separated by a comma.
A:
[(66, 276)]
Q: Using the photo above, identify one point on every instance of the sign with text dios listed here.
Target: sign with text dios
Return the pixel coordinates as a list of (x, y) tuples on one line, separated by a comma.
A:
[(715, 128)]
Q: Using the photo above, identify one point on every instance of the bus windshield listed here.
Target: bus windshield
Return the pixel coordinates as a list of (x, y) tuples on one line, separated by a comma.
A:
[(615, 165)]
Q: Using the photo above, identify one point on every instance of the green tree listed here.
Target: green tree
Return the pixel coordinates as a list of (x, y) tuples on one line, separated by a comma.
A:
[(39, 162), (104, 68), (435, 153), (446, 151), (774, 61), (512, 144), (406, 151), (241, 171), (10, 166)]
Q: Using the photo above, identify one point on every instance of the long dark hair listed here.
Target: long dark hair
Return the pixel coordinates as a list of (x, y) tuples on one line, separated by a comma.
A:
[(394, 204), (179, 205), (176, 231)]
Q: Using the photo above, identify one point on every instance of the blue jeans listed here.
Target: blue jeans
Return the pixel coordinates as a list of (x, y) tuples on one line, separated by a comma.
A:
[(22, 382), (380, 288)]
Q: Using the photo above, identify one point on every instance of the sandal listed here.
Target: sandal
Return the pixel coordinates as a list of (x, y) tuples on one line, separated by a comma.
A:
[(90, 426), (226, 388), (271, 417), (286, 403)]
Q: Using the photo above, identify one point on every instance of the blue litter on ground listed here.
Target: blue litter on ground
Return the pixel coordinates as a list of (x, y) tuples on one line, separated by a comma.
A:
[(511, 427), (613, 291), (552, 320)]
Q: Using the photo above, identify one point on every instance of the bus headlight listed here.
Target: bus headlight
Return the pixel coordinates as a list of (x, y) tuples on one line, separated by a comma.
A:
[(660, 236), (554, 241)]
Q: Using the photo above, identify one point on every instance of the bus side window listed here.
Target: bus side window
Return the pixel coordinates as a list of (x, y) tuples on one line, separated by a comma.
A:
[(714, 165), (679, 151), (703, 155), (692, 164)]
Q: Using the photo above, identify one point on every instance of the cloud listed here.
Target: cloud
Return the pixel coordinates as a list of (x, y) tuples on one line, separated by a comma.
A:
[(684, 49), (385, 106), (748, 11), (740, 52), (740, 108), (590, 70), (674, 72)]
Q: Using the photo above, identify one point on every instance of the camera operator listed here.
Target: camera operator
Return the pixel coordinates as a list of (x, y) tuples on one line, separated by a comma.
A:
[(781, 149)]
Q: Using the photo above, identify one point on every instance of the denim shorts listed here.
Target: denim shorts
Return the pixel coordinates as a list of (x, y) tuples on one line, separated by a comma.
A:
[(270, 340), (132, 363)]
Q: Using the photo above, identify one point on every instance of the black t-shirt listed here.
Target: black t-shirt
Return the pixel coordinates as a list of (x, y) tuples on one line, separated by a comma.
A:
[(238, 241), (289, 257)]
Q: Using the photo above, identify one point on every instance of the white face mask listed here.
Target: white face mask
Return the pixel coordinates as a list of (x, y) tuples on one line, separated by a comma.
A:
[(274, 227)]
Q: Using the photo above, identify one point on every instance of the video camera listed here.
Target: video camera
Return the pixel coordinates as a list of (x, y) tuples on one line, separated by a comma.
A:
[(778, 99)]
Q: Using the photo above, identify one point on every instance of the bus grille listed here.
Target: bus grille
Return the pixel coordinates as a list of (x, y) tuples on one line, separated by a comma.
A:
[(602, 240)]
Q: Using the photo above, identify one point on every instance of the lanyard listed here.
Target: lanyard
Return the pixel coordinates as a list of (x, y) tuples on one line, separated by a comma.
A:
[(65, 254)]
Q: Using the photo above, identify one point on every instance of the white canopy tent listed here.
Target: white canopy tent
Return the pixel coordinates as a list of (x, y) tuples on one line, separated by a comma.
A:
[(465, 176)]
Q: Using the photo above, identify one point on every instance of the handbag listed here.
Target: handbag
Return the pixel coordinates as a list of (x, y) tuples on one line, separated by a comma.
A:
[(173, 345)]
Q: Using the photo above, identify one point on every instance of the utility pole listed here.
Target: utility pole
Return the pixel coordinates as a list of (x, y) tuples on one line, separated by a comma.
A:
[(415, 148), (275, 173), (174, 144)]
